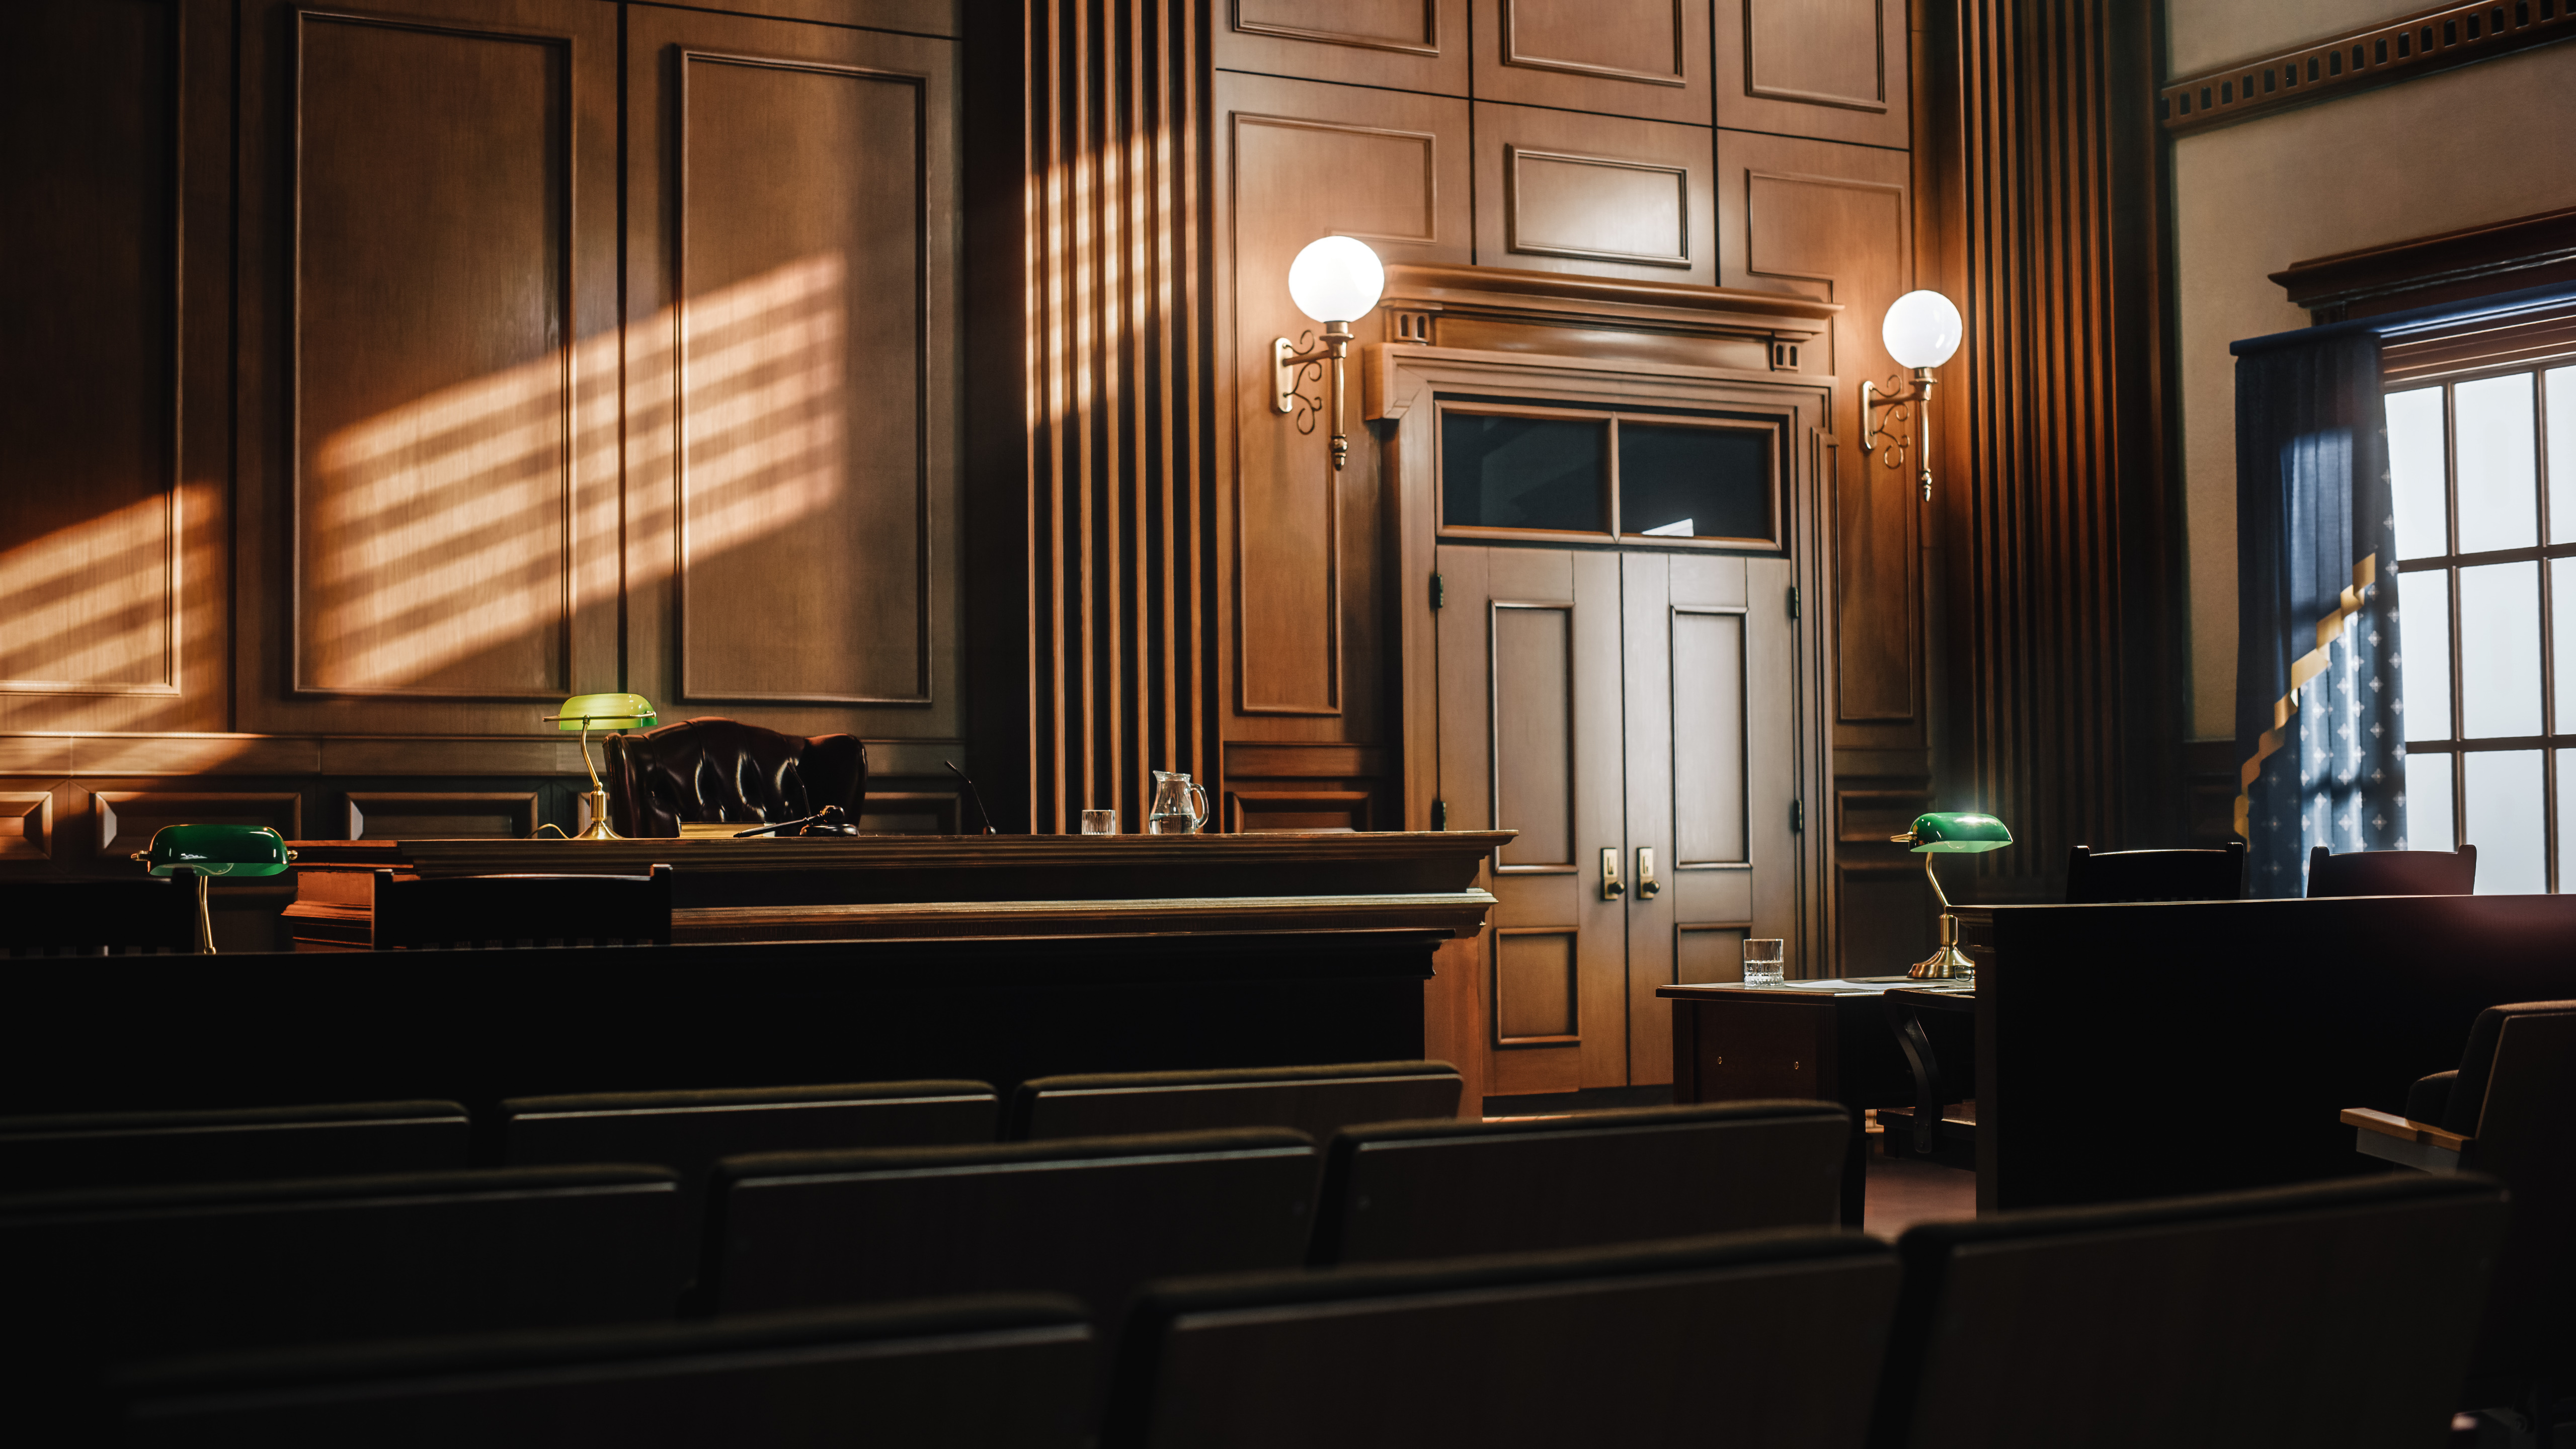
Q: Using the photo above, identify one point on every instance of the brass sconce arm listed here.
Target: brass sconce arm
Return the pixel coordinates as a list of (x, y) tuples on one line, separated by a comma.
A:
[(1291, 368), (1885, 411)]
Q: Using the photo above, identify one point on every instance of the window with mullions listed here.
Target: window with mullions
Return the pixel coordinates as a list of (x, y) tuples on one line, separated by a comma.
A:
[(2483, 472)]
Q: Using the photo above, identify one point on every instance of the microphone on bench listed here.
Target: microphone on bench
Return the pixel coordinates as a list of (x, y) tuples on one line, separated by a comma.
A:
[(972, 798)]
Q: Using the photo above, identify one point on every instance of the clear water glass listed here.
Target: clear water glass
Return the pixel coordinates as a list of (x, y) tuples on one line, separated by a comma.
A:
[(1100, 822), (1762, 961)]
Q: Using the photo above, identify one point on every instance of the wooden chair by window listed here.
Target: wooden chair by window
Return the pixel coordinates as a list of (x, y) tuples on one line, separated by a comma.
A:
[(2504, 1111), (997, 1370), (1744, 1339), (2155, 875), (522, 910), (134, 1149), (126, 1274), (1318, 1101), (98, 917), (2334, 1313), (1409, 1190), (2392, 872)]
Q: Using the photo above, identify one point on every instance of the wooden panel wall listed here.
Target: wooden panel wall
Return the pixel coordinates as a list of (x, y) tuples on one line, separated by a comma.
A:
[(112, 573), (1094, 509), (2062, 594)]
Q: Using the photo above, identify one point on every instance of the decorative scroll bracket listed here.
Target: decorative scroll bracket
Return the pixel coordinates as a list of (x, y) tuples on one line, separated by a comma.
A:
[(1885, 412), (1290, 370)]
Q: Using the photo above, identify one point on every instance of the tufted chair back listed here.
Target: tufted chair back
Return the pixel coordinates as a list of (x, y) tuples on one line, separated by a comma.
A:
[(725, 770)]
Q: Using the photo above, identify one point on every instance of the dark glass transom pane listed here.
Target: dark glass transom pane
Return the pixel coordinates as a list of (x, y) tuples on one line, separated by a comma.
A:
[(1499, 472), (1691, 482)]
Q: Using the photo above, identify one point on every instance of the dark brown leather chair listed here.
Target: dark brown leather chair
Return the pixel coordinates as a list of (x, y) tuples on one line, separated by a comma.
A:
[(722, 770), (2155, 875), (2391, 872)]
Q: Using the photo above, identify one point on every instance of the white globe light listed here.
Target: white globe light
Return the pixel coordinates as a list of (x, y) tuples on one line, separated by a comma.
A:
[(1336, 279), (1922, 330)]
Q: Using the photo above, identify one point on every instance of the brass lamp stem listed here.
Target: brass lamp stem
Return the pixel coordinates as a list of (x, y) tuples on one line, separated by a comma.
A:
[(595, 800), (1947, 962), (205, 917), (1881, 409), (1289, 366)]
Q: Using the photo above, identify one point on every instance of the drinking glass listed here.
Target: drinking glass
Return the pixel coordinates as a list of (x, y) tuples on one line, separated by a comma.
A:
[(1100, 822), (1762, 960)]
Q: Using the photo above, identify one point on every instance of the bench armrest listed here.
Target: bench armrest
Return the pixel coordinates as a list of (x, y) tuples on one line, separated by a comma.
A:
[(2419, 1145), (2422, 1133)]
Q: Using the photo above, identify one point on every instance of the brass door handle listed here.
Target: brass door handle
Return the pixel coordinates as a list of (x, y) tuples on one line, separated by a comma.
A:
[(1611, 889), (1647, 885)]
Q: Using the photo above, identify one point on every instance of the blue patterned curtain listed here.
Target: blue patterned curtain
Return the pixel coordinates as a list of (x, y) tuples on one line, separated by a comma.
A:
[(2319, 745)]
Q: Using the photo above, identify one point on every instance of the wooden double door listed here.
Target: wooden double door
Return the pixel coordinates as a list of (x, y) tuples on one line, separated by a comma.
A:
[(1633, 714)]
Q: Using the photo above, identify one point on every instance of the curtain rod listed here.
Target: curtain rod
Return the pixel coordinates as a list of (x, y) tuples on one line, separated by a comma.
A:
[(2414, 319)]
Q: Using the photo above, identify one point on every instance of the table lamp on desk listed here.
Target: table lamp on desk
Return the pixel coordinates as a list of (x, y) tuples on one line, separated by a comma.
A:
[(1949, 834), (212, 850), (585, 712)]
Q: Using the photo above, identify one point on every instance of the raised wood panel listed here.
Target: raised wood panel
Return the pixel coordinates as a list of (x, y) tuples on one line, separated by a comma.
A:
[(433, 400), (1835, 222), (791, 373), (1302, 161), (1533, 719), (1644, 58), (803, 370), (439, 814), (1708, 953), (1836, 70), (1535, 987), (26, 825), (127, 818), (113, 580), (89, 546), (912, 812), (1414, 45), (1708, 737), (1594, 208), (1257, 809), (426, 427), (1600, 195)]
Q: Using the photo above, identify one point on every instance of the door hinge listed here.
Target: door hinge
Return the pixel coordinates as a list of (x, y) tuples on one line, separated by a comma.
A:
[(1439, 808), (1793, 601), (1439, 592), (1797, 817)]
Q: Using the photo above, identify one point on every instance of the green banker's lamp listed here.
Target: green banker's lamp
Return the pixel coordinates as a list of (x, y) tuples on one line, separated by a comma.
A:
[(212, 850), (1949, 834), (586, 712)]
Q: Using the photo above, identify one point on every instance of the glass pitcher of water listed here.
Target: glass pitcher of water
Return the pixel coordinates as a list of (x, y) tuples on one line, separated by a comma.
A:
[(1179, 808)]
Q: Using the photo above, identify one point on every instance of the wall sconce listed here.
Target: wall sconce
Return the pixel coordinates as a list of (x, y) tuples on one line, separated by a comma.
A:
[(1335, 281), (1921, 331)]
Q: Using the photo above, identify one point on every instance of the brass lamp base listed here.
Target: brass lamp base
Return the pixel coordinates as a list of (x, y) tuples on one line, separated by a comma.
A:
[(596, 802), (1948, 963)]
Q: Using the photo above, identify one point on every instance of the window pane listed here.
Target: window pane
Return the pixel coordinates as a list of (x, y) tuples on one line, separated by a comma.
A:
[(2566, 803), (2562, 616), (2559, 383), (2428, 803), (1524, 472), (1685, 482), (2505, 824), (2424, 639), (2500, 650), (2498, 507), (2415, 471)]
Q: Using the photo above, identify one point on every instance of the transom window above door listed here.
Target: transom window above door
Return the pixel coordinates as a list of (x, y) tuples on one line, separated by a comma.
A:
[(1556, 475)]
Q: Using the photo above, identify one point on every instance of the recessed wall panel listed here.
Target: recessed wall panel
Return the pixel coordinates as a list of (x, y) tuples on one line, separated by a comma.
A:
[(1708, 737), (1534, 985), (801, 337), (88, 345), (1533, 678), (432, 302)]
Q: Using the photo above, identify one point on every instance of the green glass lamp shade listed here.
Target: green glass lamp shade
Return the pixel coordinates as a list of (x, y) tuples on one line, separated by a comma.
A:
[(217, 850), (1958, 834), (604, 712)]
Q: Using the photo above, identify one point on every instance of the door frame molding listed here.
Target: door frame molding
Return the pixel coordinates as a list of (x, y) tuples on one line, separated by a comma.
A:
[(1400, 386)]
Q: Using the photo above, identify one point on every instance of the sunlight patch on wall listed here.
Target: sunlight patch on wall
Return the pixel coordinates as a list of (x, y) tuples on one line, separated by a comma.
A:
[(89, 606)]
